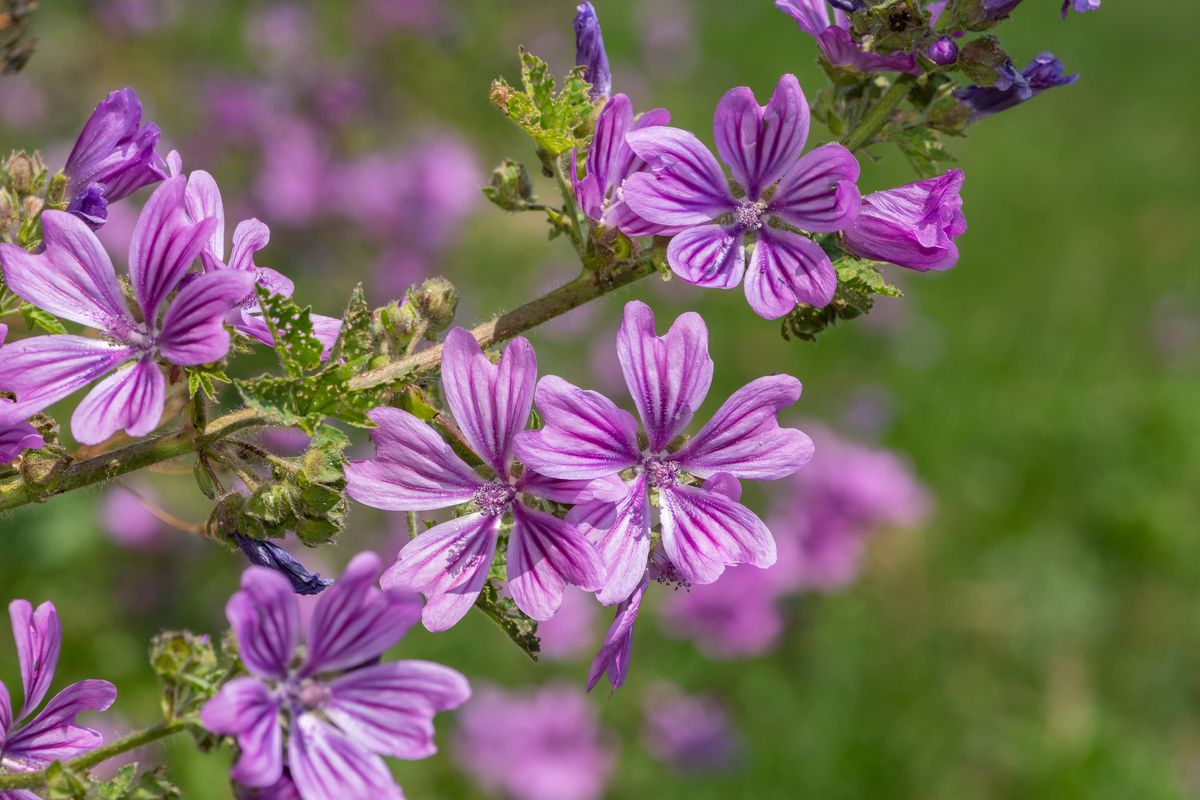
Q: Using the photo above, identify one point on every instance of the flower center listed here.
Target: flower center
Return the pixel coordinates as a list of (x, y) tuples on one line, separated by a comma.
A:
[(749, 215), (138, 336), (663, 474), (313, 695), (494, 497)]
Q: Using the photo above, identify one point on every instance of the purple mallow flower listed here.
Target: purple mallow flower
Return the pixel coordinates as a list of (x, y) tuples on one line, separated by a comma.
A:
[(113, 157), (337, 711), (16, 434), (203, 201), (541, 745), (836, 41), (610, 162), (415, 470), (75, 280), (589, 51), (265, 553), (684, 187), (688, 732), (587, 437), (913, 226), (1081, 6), (1042, 73), (30, 743)]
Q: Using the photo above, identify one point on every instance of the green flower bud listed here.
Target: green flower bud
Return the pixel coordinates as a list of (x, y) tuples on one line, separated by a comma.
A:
[(511, 187)]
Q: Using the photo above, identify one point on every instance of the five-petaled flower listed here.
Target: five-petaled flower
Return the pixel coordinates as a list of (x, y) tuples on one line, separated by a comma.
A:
[(75, 280), (33, 743), (415, 470), (586, 437), (340, 708), (113, 157), (684, 187)]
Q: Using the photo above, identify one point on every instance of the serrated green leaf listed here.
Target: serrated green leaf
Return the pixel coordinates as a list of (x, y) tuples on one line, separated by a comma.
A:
[(204, 378), (864, 275), (552, 118), (356, 340), (924, 150), (291, 328), (504, 612), (36, 317)]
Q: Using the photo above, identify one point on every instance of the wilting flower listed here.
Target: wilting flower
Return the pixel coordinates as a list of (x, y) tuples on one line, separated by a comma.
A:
[(203, 201), (1044, 72), (113, 157), (610, 161), (415, 470), (615, 653), (74, 279), (341, 709), (589, 51), (265, 553), (28, 744), (1080, 5), (684, 187), (836, 40), (913, 226), (703, 529), (15, 433), (688, 732), (541, 745)]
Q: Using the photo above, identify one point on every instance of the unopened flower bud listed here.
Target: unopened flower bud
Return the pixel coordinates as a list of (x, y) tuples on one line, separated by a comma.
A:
[(589, 51), (510, 187), (32, 206), (437, 300), (943, 52), (22, 173)]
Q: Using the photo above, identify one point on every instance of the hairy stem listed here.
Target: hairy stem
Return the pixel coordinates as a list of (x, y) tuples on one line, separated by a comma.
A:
[(35, 780), (879, 114), (19, 491)]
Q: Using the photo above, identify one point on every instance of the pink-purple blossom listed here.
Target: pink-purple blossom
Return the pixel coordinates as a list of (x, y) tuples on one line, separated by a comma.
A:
[(914, 225), (690, 733), (685, 188), (544, 744), (319, 727), (416, 470), (836, 39), (113, 157), (16, 434), (32, 740), (587, 437), (73, 278)]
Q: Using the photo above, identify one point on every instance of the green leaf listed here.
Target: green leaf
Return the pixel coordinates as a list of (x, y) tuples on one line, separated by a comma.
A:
[(204, 378), (504, 612), (292, 330), (924, 150), (552, 118), (864, 275), (36, 317)]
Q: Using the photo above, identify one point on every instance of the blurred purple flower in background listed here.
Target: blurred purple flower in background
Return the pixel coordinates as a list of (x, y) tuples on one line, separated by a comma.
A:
[(128, 520), (545, 744), (569, 634), (337, 728), (1080, 5), (690, 733), (30, 743), (735, 617)]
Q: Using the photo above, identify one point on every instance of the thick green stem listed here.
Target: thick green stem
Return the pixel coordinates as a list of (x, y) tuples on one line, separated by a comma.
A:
[(880, 113), (36, 780), (19, 491)]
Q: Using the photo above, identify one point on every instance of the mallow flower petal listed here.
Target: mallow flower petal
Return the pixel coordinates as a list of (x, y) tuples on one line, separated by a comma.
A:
[(42, 370), (614, 121), (325, 763), (265, 617), (913, 226), (744, 438), (130, 399), (249, 237), (38, 635), (448, 564), (202, 200), (115, 149), (355, 621), (73, 278), (704, 531), (614, 655), (712, 256), (165, 243), (682, 183), (669, 376), (621, 534), (490, 402), (413, 470), (545, 555), (16, 436), (193, 329), (759, 143), (785, 269), (389, 708), (585, 434), (53, 735), (811, 15), (246, 708), (820, 192)]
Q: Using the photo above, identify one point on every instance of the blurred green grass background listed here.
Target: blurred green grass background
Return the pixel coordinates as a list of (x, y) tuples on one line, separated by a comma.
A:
[(1039, 638)]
